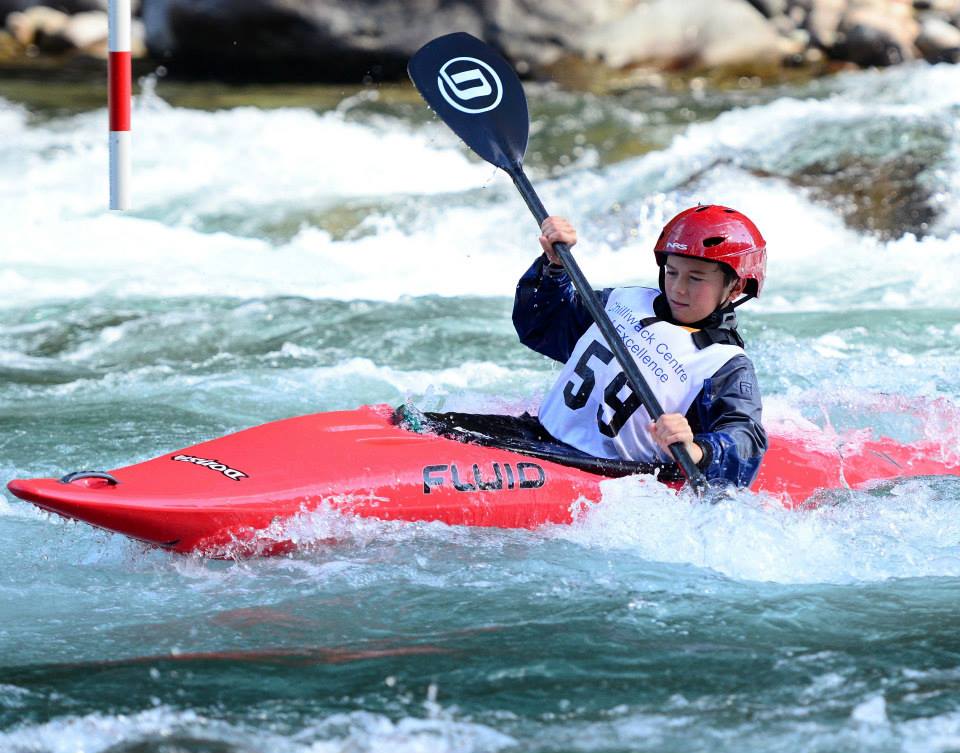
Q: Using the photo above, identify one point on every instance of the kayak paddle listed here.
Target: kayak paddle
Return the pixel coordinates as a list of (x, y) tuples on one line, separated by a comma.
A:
[(477, 93)]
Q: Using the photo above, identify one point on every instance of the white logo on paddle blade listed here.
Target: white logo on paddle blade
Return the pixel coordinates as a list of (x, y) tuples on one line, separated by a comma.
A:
[(469, 83)]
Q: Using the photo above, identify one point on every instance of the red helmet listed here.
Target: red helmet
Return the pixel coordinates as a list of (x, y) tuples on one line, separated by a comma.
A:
[(718, 234)]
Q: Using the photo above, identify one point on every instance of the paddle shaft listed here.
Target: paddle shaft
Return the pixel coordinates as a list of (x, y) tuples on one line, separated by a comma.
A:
[(634, 378)]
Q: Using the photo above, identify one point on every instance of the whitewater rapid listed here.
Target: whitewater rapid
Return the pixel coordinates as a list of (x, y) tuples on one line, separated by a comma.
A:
[(284, 260), (251, 203)]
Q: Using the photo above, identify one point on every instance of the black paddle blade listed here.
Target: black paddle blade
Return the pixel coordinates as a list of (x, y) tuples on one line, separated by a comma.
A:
[(475, 92)]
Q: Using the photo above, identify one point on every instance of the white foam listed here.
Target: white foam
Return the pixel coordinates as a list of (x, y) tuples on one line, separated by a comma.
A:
[(911, 531), (430, 229), (99, 732), (872, 711), (477, 385), (356, 731)]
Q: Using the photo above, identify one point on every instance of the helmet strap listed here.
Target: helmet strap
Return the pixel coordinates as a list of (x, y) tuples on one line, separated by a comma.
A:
[(741, 301)]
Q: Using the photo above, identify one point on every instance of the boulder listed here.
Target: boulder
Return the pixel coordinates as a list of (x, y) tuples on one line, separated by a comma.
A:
[(823, 21), (696, 33), (939, 41), (331, 39), (947, 7), (72, 7), (770, 8), (877, 33), (300, 39), (539, 34), (87, 29), (39, 26), (364, 35)]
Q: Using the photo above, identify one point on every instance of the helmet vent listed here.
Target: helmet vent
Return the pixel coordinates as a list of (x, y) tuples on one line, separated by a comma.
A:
[(715, 240), (703, 208), (730, 211)]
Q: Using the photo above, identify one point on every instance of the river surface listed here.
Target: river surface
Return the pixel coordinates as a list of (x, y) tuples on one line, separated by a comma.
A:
[(292, 251)]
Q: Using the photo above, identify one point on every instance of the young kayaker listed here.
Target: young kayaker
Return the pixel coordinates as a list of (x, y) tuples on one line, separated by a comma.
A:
[(684, 339)]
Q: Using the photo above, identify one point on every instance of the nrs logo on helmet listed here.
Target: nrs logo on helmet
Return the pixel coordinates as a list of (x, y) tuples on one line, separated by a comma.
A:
[(719, 234)]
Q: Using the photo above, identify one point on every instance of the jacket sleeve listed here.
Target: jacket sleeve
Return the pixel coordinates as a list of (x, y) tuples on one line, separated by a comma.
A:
[(547, 311), (727, 424)]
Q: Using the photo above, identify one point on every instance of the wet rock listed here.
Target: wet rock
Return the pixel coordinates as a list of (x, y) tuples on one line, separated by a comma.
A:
[(877, 34), (695, 33), (886, 195), (324, 39), (64, 6), (351, 40), (72, 7), (886, 200), (823, 21), (770, 8), (939, 41), (947, 7), (44, 29), (87, 29), (540, 34), (301, 39), (40, 26)]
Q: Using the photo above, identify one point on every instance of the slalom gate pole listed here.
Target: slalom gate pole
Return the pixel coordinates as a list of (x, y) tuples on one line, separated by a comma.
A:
[(120, 91)]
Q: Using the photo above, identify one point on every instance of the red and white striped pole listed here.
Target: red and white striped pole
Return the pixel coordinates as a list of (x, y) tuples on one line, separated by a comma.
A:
[(120, 92)]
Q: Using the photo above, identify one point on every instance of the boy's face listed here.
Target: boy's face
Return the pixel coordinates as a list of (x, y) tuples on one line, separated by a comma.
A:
[(695, 288)]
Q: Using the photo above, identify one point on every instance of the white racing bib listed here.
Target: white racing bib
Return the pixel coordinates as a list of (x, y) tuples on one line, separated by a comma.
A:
[(591, 406)]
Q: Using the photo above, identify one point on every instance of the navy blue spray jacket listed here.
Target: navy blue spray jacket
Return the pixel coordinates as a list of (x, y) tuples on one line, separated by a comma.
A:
[(725, 416)]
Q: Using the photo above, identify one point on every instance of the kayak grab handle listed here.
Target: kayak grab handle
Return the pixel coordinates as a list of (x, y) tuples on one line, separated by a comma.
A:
[(77, 475)]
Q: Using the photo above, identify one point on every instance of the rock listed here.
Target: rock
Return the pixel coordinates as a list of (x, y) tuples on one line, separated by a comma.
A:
[(87, 29), (770, 8), (301, 39), (938, 41), (340, 38), (886, 197), (670, 35), (542, 33), (881, 35), (72, 7), (52, 31), (37, 25), (369, 33), (798, 10), (786, 26), (947, 7), (867, 46), (823, 21)]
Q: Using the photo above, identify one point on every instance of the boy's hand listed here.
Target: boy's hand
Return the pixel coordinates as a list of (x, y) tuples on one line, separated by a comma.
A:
[(556, 230), (672, 427)]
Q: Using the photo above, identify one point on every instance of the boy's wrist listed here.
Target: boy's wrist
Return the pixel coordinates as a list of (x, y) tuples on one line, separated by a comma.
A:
[(706, 454), (550, 269)]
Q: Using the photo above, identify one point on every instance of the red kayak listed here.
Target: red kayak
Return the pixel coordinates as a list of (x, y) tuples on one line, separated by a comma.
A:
[(217, 497)]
